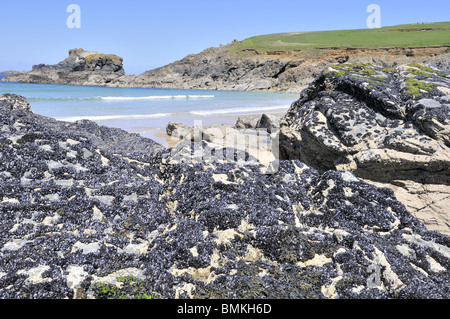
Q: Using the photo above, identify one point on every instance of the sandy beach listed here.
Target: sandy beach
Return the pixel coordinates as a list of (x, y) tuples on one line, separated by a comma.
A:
[(157, 131)]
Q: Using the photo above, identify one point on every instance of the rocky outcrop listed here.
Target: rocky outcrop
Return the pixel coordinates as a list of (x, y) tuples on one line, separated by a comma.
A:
[(80, 68), (256, 141), (215, 69), (224, 68), (5, 73), (10, 103), (112, 140), (85, 218), (269, 122), (247, 121), (387, 125)]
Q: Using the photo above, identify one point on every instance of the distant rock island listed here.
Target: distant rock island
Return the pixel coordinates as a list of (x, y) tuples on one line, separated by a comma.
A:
[(224, 68), (79, 68)]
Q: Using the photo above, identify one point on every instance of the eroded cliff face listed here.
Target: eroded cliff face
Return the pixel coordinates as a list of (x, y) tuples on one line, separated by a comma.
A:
[(281, 71), (223, 68), (79, 68), (387, 125), (92, 212)]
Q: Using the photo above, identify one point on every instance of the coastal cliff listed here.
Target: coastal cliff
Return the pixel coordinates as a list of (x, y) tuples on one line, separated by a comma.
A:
[(226, 68), (94, 212), (79, 68)]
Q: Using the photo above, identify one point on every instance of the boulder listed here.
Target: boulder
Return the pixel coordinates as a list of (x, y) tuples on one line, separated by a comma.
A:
[(79, 68), (173, 126), (269, 122), (12, 102), (178, 131), (247, 122), (386, 125)]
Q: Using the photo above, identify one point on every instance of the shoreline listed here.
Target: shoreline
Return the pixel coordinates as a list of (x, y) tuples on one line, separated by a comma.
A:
[(158, 132)]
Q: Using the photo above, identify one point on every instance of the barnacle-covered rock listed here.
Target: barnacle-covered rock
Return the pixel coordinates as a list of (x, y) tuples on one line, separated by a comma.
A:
[(387, 125), (80, 219)]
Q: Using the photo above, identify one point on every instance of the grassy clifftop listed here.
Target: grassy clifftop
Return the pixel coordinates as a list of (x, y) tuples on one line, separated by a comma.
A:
[(407, 35)]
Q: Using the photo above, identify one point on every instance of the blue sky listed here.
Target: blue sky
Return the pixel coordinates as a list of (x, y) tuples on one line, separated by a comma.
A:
[(149, 34)]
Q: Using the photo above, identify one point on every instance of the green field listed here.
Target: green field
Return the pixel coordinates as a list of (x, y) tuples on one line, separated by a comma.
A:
[(417, 35)]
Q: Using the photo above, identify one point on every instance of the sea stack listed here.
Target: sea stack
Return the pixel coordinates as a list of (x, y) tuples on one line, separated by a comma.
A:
[(79, 68)]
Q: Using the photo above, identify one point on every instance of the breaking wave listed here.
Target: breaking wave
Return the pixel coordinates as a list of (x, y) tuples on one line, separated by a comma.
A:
[(194, 113), (120, 98), (255, 109)]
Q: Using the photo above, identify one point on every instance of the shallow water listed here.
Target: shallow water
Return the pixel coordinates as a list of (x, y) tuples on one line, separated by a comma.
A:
[(143, 110)]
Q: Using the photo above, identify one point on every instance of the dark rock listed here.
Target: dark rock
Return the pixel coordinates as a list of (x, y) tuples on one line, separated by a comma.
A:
[(79, 215), (342, 59)]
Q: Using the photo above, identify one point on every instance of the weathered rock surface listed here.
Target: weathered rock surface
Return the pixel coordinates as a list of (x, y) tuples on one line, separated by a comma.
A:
[(215, 69), (247, 122), (387, 125), (269, 122), (80, 68), (255, 141), (82, 219)]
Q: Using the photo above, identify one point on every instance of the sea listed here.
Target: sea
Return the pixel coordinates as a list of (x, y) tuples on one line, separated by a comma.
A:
[(146, 111)]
